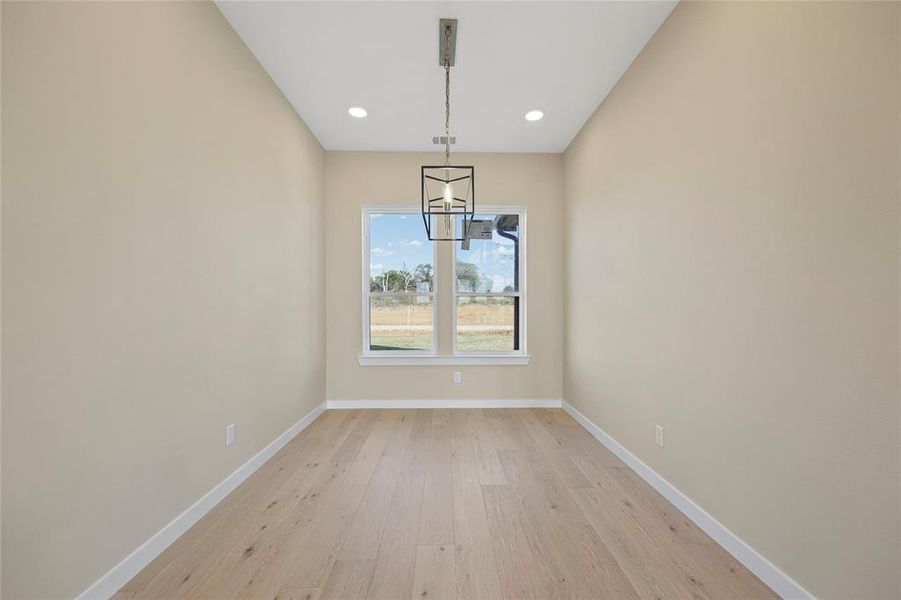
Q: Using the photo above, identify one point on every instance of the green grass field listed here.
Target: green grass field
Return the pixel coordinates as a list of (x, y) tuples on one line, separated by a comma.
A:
[(407, 325), (476, 342)]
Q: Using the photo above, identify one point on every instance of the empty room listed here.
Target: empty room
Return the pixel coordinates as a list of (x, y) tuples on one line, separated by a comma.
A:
[(450, 300)]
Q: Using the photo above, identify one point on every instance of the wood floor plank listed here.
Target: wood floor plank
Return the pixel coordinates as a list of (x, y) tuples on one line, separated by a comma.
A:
[(575, 439), (311, 553), (396, 559), (348, 580), (539, 484), (416, 453), (436, 521), (556, 453), (725, 577), (523, 570), (642, 505), (304, 560), (262, 550), (365, 534), (405, 420), (596, 570), (505, 429), (301, 594), (569, 545), (254, 557), (364, 422), (648, 565), (655, 510), (468, 504), (434, 573), (370, 452), (487, 444), (476, 570)]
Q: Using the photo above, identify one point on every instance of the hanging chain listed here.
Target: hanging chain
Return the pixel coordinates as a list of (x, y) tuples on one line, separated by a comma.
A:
[(447, 34)]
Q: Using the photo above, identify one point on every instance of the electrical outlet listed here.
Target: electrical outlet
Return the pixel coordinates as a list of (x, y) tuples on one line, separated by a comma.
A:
[(458, 377), (229, 435), (660, 436)]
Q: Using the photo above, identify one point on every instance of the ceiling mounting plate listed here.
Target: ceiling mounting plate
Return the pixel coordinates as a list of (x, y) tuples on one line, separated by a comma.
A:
[(443, 25)]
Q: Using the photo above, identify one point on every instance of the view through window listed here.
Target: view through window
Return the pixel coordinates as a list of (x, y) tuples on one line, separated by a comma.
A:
[(402, 277), (487, 288), (401, 284)]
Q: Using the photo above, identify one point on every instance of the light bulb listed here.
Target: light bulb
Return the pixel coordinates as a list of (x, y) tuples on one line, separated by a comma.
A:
[(448, 197)]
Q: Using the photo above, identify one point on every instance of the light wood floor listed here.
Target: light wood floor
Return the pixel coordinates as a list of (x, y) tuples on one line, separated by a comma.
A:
[(468, 504)]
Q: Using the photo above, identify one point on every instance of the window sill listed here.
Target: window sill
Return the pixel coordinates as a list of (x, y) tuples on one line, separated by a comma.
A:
[(475, 359)]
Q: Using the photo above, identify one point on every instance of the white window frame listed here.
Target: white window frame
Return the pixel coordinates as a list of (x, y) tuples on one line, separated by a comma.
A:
[(415, 213), (520, 211)]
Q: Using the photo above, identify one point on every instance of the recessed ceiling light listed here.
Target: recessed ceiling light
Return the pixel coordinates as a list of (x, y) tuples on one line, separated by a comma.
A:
[(534, 115), (357, 112)]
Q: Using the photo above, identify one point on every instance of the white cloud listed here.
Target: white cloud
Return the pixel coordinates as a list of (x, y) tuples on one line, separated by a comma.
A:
[(376, 268), (504, 250), (414, 243), (403, 216), (381, 252), (499, 282)]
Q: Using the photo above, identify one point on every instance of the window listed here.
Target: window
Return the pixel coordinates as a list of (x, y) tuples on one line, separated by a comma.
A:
[(399, 284), (489, 287), (484, 299)]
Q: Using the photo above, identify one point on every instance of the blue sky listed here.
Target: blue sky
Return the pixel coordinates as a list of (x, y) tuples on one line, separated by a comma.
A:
[(396, 240)]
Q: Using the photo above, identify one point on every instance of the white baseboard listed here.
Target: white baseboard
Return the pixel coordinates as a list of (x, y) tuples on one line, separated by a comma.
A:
[(449, 403), (758, 564), (132, 564)]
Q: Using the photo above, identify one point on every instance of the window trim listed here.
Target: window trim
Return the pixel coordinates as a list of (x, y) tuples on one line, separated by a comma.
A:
[(520, 211), (367, 352), (442, 360)]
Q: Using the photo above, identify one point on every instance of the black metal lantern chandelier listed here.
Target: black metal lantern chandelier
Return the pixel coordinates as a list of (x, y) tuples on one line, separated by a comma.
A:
[(448, 191)]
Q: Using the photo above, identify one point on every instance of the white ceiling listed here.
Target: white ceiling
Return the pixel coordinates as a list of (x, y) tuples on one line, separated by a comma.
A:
[(561, 57)]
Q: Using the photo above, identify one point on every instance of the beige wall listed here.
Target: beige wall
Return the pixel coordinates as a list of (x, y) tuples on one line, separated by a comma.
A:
[(356, 179), (162, 276), (732, 226)]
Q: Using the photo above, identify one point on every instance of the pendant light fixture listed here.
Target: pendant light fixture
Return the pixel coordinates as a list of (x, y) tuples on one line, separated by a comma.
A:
[(448, 191)]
